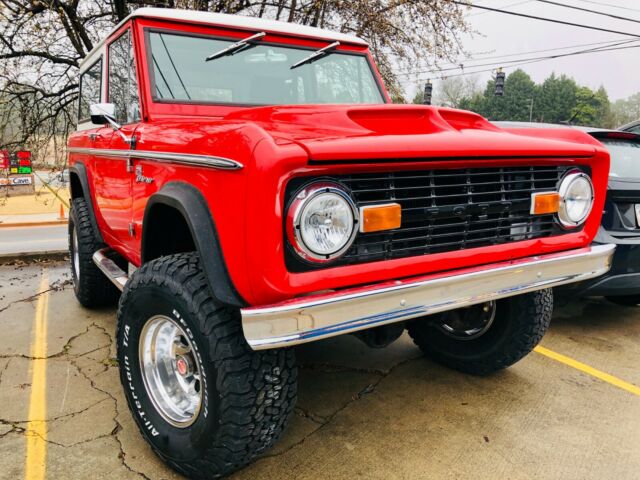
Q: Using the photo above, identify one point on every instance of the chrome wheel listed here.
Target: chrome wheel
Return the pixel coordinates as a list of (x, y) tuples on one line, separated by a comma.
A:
[(171, 371), (468, 323), (76, 254)]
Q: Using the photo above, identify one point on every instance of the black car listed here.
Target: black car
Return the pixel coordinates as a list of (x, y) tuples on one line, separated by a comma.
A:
[(620, 220), (633, 127)]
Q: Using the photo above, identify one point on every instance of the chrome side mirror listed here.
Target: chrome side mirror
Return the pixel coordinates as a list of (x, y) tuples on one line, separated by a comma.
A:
[(101, 113), (105, 113)]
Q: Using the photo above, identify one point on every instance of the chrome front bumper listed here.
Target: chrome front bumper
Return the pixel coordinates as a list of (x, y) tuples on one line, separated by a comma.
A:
[(305, 319)]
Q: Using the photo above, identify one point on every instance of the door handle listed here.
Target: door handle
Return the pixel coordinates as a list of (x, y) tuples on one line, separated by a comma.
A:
[(93, 136)]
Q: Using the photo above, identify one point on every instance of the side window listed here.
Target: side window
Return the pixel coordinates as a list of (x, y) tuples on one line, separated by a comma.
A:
[(90, 86), (123, 82)]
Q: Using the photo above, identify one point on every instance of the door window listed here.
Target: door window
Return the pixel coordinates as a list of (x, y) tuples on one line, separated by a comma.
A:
[(90, 85), (123, 82)]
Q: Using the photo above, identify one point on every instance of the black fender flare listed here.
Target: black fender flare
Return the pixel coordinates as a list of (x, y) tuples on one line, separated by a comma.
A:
[(189, 201), (80, 171)]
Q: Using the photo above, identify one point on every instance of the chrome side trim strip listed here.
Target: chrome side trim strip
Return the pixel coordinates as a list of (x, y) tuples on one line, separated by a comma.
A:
[(181, 158), (315, 317), (107, 266)]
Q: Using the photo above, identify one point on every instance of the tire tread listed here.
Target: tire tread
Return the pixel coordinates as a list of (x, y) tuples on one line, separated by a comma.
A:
[(257, 389), (531, 314), (94, 289)]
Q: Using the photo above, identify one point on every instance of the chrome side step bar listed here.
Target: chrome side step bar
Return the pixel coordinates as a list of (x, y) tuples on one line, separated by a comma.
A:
[(107, 266)]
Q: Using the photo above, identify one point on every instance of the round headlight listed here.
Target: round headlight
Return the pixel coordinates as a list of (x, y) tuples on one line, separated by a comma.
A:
[(576, 199), (321, 221)]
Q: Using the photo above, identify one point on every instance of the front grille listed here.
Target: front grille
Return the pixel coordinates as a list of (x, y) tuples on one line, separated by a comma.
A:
[(446, 210)]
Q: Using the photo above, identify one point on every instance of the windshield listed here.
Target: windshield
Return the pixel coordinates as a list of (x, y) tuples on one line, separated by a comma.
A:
[(625, 158), (258, 75)]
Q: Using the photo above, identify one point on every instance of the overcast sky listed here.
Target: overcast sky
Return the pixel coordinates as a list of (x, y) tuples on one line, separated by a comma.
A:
[(501, 35)]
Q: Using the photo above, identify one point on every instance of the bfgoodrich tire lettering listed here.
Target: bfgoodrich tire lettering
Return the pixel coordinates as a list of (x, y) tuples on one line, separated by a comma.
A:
[(247, 396), (518, 326), (91, 287)]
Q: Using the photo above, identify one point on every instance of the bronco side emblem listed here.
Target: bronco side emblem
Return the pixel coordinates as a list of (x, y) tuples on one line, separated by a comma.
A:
[(140, 178)]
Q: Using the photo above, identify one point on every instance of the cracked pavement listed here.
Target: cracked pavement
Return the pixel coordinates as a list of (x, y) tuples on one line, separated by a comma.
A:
[(361, 413)]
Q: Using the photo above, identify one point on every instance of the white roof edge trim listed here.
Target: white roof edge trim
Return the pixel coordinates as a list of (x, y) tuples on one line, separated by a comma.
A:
[(230, 21)]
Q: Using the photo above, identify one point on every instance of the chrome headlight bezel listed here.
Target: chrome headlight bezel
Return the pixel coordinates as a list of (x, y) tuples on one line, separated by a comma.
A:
[(566, 183), (295, 212)]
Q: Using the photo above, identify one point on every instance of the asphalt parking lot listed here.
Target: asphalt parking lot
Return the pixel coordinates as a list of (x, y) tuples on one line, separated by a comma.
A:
[(361, 413)]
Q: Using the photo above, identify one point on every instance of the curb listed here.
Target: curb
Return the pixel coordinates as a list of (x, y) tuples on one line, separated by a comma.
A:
[(34, 224), (7, 258)]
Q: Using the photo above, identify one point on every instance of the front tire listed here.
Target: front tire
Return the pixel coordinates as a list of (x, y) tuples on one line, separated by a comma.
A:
[(489, 340), (91, 287), (242, 398)]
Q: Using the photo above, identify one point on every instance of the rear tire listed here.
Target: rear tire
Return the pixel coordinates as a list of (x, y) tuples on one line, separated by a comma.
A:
[(516, 328), (240, 399), (91, 286), (625, 300)]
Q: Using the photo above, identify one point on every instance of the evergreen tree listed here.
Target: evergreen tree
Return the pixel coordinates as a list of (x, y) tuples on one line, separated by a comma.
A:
[(556, 99), (418, 97), (592, 108), (514, 105)]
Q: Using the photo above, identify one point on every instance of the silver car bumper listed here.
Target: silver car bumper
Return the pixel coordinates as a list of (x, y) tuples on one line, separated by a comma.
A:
[(314, 317)]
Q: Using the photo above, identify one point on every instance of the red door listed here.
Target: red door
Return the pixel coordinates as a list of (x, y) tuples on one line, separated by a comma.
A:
[(112, 183), (112, 160)]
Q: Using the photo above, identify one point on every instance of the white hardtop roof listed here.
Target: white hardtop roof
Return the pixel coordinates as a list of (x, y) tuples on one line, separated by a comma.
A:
[(232, 21)]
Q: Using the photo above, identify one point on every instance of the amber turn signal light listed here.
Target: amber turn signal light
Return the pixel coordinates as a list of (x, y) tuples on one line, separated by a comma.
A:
[(375, 218), (547, 202)]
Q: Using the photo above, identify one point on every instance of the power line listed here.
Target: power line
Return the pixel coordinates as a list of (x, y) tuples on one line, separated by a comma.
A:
[(589, 10), (523, 63), (550, 57), (528, 62), (505, 6), (545, 19), (609, 5), (506, 55)]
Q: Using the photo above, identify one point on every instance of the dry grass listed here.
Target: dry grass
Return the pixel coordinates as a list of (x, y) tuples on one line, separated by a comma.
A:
[(42, 201)]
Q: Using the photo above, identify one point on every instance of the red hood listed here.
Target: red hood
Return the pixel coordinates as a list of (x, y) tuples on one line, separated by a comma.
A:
[(348, 132)]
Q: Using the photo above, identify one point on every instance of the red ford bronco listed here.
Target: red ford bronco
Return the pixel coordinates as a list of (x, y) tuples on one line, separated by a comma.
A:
[(248, 186)]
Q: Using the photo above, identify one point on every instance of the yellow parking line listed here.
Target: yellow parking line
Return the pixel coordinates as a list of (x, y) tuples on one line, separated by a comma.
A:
[(36, 458), (605, 377)]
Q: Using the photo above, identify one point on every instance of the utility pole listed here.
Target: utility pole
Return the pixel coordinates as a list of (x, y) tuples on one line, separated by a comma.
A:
[(531, 111)]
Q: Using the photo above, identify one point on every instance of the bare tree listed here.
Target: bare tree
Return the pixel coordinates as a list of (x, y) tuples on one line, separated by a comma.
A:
[(43, 41), (453, 91), (41, 45)]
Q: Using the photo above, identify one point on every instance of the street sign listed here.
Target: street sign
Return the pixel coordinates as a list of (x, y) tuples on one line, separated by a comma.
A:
[(24, 161), (20, 180), (4, 158)]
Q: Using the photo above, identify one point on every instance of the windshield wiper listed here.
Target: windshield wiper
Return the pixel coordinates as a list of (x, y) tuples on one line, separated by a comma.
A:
[(316, 55), (234, 47)]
